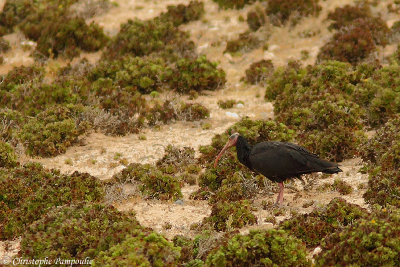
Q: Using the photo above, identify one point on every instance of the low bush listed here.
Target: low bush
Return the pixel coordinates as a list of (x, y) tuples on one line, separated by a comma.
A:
[(269, 248), (312, 228), (317, 102), (154, 183), (281, 11), (181, 14), (356, 42), (344, 16), (195, 74), (259, 71), (12, 122), (142, 74), (226, 216), (141, 38), (256, 18), (77, 231), (238, 4), (144, 248), (27, 192), (383, 187), (52, 131), (4, 45), (371, 241), (246, 41), (66, 36), (8, 158), (342, 187), (380, 95), (226, 104)]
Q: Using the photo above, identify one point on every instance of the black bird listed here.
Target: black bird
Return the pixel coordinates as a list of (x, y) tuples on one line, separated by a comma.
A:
[(278, 161)]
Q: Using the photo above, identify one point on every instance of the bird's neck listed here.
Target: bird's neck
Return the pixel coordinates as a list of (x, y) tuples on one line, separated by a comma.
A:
[(243, 151)]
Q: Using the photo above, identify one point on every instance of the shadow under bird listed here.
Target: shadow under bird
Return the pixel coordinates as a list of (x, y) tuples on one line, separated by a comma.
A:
[(278, 161)]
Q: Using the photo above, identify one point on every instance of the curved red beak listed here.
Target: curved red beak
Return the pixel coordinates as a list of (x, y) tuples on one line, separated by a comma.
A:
[(231, 142)]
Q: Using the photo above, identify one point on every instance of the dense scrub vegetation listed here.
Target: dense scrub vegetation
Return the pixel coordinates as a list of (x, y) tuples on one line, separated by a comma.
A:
[(313, 227), (270, 247), (359, 33), (327, 107), (381, 153), (51, 25), (317, 102), (27, 192), (368, 241)]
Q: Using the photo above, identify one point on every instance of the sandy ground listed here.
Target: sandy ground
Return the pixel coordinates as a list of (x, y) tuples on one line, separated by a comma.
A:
[(97, 155)]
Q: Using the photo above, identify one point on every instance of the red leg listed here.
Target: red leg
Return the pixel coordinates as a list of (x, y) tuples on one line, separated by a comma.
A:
[(279, 199)]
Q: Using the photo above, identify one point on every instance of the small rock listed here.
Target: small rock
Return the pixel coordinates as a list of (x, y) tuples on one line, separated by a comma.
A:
[(228, 56), (239, 105), (232, 114), (179, 202)]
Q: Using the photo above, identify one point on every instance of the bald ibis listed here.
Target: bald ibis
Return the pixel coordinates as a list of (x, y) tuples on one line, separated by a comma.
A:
[(278, 161)]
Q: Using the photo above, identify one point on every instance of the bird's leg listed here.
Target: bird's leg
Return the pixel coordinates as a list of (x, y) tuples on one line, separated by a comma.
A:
[(279, 199)]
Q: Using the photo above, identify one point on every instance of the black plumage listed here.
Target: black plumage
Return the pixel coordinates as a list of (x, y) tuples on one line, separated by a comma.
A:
[(278, 161)]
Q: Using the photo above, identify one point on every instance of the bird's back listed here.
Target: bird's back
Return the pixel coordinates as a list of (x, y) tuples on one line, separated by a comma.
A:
[(279, 161)]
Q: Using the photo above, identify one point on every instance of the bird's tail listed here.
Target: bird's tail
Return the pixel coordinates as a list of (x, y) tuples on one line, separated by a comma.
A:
[(332, 170)]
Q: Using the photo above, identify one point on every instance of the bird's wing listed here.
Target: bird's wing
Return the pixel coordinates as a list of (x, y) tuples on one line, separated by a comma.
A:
[(279, 159)]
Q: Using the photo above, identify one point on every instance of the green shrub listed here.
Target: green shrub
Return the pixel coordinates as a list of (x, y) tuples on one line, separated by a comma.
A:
[(317, 102), (195, 251), (371, 241), (8, 159), (179, 158), (52, 131), (170, 111), (267, 248), (383, 187), (12, 121), (259, 71), (26, 193), (284, 78), (154, 183), (321, 222), (356, 42), (344, 16), (238, 4), (237, 187), (246, 41), (380, 95), (342, 187), (14, 12), (140, 38), (381, 153), (331, 130), (66, 36), (195, 74), (256, 18), (118, 101), (4, 45), (143, 74), (280, 11), (386, 137), (182, 14), (144, 248), (226, 216), (22, 75), (77, 231), (225, 104), (193, 112)]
